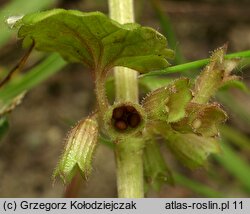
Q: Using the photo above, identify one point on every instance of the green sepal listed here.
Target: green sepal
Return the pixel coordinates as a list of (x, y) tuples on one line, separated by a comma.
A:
[(202, 119), (192, 150), (156, 171), (95, 40), (79, 150), (168, 103), (216, 74)]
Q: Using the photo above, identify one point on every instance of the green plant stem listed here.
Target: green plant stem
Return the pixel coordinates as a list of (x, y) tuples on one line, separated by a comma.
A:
[(130, 168), (195, 64), (102, 101), (125, 79), (128, 157), (126, 84)]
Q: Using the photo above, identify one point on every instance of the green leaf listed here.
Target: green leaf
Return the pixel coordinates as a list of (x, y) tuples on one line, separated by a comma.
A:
[(156, 171), (195, 64), (195, 186), (235, 165), (95, 40), (36, 75), (168, 103), (4, 126), (236, 137), (202, 119), (79, 150)]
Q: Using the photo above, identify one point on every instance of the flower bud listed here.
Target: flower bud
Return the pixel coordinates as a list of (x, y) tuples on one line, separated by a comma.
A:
[(79, 150), (214, 76), (191, 149)]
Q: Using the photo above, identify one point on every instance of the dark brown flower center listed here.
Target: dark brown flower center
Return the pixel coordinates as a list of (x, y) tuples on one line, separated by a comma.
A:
[(124, 117)]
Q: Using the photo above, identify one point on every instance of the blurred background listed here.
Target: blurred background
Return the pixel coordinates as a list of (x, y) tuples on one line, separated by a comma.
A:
[(32, 140)]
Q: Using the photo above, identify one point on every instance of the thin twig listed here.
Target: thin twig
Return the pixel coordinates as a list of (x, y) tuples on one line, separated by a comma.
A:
[(19, 66)]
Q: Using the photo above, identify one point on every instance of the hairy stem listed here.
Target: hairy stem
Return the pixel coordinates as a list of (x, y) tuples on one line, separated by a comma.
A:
[(102, 101), (129, 168), (128, 156)]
